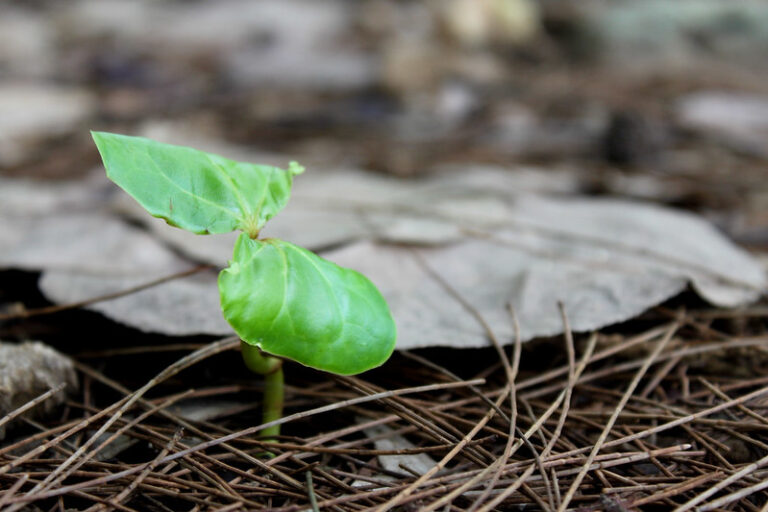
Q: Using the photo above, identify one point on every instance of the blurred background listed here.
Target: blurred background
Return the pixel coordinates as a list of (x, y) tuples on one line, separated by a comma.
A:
[(666, 101)]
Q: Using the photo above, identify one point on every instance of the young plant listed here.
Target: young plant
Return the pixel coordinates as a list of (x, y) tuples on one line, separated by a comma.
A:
[(282, 300)]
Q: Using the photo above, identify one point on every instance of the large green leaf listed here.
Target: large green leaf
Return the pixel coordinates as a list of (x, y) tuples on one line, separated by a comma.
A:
[(194, 190), (292, 303)]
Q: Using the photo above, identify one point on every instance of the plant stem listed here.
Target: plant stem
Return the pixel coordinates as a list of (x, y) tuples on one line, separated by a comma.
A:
[(272, 370), (272, 408)]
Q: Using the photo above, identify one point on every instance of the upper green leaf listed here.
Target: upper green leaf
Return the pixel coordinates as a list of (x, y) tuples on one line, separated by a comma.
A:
[(292, 303), (197, 191)]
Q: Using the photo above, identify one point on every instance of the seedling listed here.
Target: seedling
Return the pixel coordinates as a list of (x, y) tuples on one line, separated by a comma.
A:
[(282, 300)]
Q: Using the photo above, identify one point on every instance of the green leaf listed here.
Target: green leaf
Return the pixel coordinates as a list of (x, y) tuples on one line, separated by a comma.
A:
[(197, 191), (292, 303)]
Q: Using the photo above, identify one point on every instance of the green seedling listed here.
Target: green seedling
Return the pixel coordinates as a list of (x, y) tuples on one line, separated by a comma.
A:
[(282, 300)]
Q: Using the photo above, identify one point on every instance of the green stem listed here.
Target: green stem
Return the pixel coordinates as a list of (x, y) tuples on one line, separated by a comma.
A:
[(273, 401), (272, 370)]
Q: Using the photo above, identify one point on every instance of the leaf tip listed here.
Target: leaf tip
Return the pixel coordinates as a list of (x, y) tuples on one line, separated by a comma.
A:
[(99, 136), (102, 141)]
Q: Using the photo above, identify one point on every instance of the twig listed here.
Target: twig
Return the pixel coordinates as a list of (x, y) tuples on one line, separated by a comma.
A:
[(680, 488), (631, 365), (8, 493), (509, 370), (311, 493), (735, 496), (511, 373), (750, 468), (442, 463), (612, 421), (151, 467), (564, 396)]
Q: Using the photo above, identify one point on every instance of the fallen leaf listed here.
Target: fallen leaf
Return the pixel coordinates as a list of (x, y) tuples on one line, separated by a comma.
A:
[(607, 261), (492, 241), (92, 244), (86, 252), (180, 307)]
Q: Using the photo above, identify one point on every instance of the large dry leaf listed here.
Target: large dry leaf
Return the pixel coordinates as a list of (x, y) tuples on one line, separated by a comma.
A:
[(86, 252), (181, 307), (22, 198), (92, 256), (606, 260), (491, 276), (495, 243), (89, 244)]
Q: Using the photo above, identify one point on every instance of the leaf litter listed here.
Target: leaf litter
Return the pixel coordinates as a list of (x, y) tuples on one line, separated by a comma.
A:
[(674, 432)]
